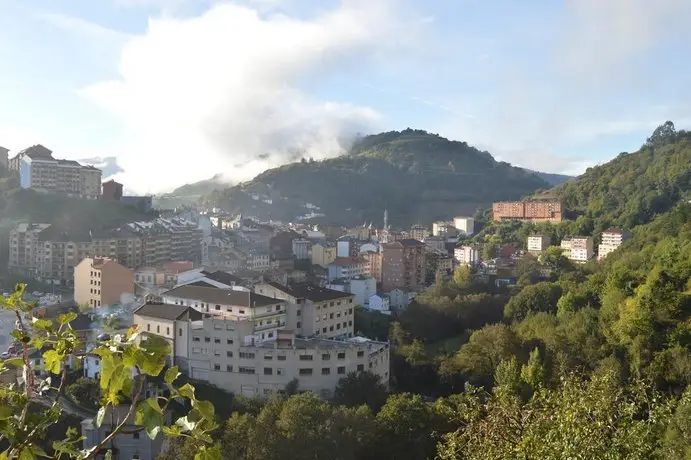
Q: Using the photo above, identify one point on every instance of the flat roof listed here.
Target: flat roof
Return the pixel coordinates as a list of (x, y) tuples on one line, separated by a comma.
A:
[(164, 311), (221, 296), (311, 292)]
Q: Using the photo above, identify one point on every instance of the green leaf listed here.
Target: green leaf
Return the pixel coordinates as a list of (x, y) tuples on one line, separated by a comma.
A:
[(171, 374), (99, 416), (66, 318), (155, 350), (205, 408), (38, 451), (107, 367), (27, 454), (52, 361), (14, 362), (149, 418), (172, 431), (42, 324), (209, 453), (187, 391), (153, 402), (109, 455)]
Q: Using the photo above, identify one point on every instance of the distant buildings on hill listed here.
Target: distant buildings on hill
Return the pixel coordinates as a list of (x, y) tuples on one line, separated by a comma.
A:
[(533, 211)]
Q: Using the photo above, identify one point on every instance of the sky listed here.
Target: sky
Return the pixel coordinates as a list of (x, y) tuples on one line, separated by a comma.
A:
[(167, 92)]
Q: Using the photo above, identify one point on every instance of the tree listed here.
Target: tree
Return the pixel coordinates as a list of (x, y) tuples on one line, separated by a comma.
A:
[(532, 299), (359, 388), (126, 365), (553, 258), (463, 277)]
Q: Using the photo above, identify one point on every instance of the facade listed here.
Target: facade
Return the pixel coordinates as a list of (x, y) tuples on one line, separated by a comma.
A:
[(4, 160), (464, 225), (578, 249), (301, 248), (611, 239), (403, 264), (101, 281), (533, 211), (399, 299), (25, 249), (444, 228), (323, 254), (468, 254), (44, 173), (35, 151), (419, 232), (538, 243), (347, 268), (112, 191), (362, 287), (380, 302), (436, 244), (141, 203)]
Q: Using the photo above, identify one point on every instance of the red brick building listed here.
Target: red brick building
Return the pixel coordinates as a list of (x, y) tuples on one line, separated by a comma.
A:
[(534, 211)]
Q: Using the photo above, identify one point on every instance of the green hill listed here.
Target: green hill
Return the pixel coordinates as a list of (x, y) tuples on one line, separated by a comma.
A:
[(417, 176)]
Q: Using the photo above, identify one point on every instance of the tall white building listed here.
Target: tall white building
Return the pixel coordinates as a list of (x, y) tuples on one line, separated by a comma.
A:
[(538, 243), (578, 249), (467, 255), (444, 228), (465, 225), (611, 239)]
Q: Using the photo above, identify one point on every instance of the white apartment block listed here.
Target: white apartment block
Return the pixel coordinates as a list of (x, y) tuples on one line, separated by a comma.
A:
[(467, 255), (59, 176), (444, 228), (611, 239), (347, 268), (578, 249), (362, 287), (228, 351), (464, 225), (538, 243)]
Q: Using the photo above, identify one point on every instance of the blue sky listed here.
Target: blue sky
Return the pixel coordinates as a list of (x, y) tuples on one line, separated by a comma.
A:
[(192, 88)]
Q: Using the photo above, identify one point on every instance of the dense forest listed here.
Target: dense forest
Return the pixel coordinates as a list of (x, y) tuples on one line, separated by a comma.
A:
[(575, 361), (417, 176)]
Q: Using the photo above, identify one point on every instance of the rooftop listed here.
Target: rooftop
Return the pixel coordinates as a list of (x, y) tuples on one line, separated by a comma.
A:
[(323, 344), (343, 261), (405, 242), (220, 296), (222, 277), (614, 230), (165, 311), (311, 292)]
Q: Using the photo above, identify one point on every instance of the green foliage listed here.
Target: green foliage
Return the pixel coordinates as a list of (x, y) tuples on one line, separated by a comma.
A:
[(358, 388), (126, 362)]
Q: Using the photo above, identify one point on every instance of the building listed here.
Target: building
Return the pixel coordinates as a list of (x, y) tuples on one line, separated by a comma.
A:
[(399, 299), (301, 248), (323, 254), (436, 244), (468, 254), (444, 228), (374, 261), (578, 249), (4, 161), (464, 225), (403, 264), (314, 311), (538, 243), (611, 239), (25, 249), (419, 232), (38, 170), (347, 268), (380, 302), (362, 287), (101, 281), (141, 203), (112, 191), (533, 211)]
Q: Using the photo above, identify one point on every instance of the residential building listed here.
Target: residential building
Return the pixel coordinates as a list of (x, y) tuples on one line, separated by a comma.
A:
[(4, 161), (403, 264), (464, 225), (400, 298), (101, 281), (35, 151), (25, 248), (419, 232), (533, 211), (362, 287), (444, 228), (38, 170), (324, 253), (380, 302), (468, 254), (314, 311), (258, 261), (161, 277), (347, 267), (374, 264), (436, 244), (538, 243), (111, 191), (578, 249), (611, 239), (142, 203), (301, 248)]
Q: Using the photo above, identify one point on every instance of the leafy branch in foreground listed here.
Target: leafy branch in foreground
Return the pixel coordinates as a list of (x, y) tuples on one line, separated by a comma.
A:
[(126, 362)]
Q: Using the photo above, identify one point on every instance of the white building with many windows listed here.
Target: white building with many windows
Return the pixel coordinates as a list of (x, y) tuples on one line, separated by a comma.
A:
[(538, 243), (611, 239), (578, 248)]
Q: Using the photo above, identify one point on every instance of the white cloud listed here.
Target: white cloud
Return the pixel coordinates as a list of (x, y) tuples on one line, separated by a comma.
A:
[(202, 95), (86, 29)]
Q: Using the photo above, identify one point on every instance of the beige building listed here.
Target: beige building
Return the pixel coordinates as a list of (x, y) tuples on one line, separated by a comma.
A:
[(25, 248), (419, 232), (538, 243), (611, 239), (468, 254), (578, 249), (323, 254), (314, 311), (101, 281), (464, 225), (403, 264), (374, 260)]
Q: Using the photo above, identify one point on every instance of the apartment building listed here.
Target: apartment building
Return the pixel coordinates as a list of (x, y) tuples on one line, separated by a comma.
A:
[(444, 228), (533, 211), (323, 254), (101, 281), (464, 225), (301, 248), (578, 249), (347, 267), (25, 248), (374, 264), (436, 244), (538, 243), (403, 264), (611, 239), (35, 151), (38, 170), (225, 352), (314, 311), (4, 160), (419, 232), (362, 287), (468, 254), (112, 191)]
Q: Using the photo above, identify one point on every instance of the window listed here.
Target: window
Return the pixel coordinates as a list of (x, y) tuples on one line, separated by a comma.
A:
[(135, 435), (341, 355), (331, 316), (217, 326), (331, 304), (180, 332), (306, 357), (148, 326), (340, 370), (299, 313), (350, 301), (280, 371), (229, 354), (207, 339), (324, 330), (229, 341), (360, 367), (242, 312), (360, 354), (326, 370), (217, 340), (246, 355), (326, 357), (195, 339), (218, 307), (281, 357), (305, 371), (350, 323), (229, 368), (278, 308), (195, 350), (338, 315), (246, 370), (217, 367), (217, 352), (338, 326), (350, 311), (298, 324), (268, 371), (268, 356), (158, 329), (167, 331), (331, 328)]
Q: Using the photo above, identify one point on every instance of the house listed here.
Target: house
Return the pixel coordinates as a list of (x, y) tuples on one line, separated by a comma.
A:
[(464, 225), (323, 253), (400, 298), (362, 287), (380, 302), (468, 254)]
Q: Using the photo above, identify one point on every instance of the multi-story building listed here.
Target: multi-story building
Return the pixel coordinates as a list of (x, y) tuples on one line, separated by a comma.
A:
[(533, 211), (101, 281), (468, 254), (444, 228), (611, 239), (4, 161), (112, 191), (323, 254), (154, 280), (538, 243), (362, 287), (35, 151), (314, 311), (374, 262), (436, 244), (464, 225), (403, 264), (419, 232), (25, 249), (38, 170), (347, 267), (301, 248), (578, 249)]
